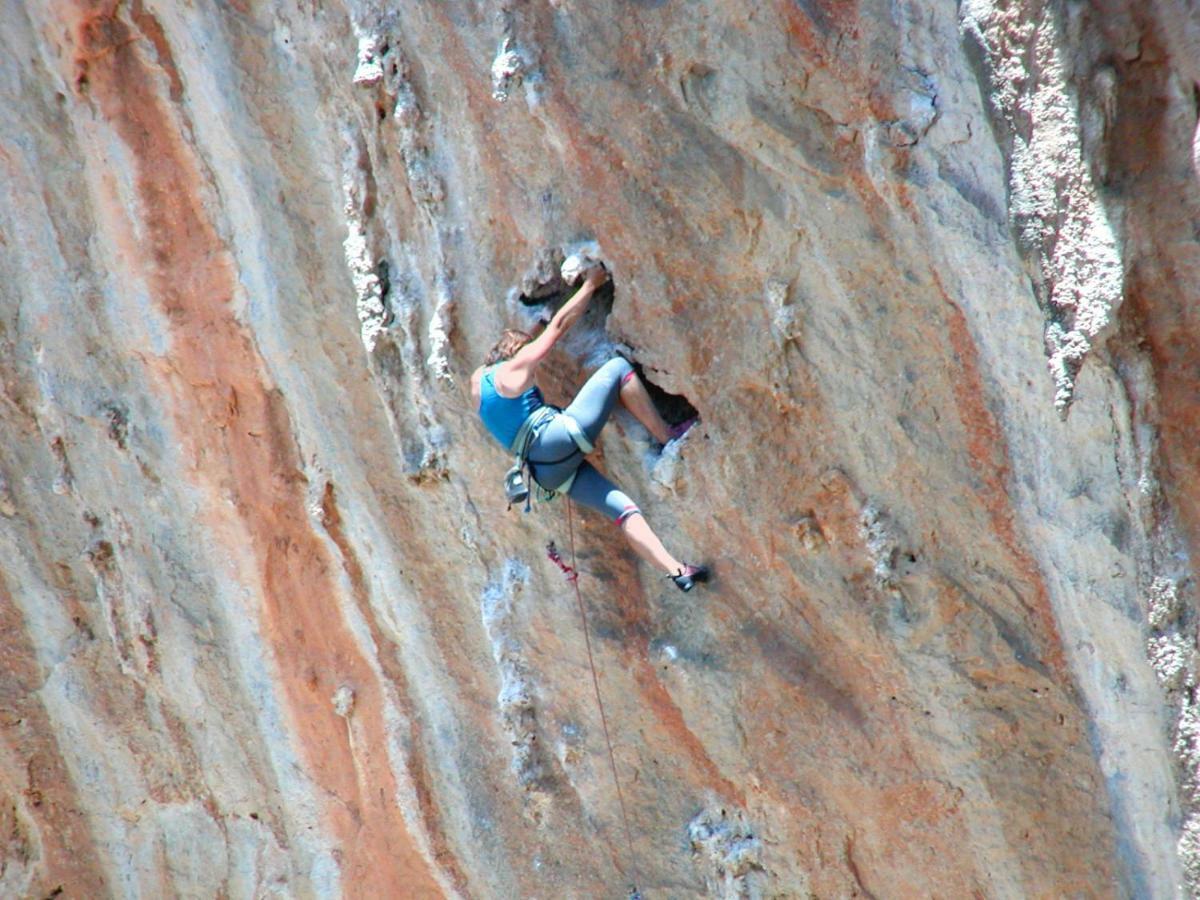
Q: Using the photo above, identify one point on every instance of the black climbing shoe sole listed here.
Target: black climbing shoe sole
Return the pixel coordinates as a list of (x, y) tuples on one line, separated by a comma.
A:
[(686, 582)]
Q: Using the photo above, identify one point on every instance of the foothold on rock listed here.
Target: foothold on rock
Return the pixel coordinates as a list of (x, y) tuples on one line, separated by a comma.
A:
[(808, 531), (8, 506), (118, 423), (1169, 657), (508, 70), (65, 481), (370, 63), (722, 837), (100, 557), (776, 291), (570, 748), (783, 312), (664, 465), (343, 701), (1163, 606), (883, 543)]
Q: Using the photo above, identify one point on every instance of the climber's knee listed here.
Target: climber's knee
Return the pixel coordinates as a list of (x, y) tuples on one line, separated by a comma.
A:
[(618, 368), (626, 514)]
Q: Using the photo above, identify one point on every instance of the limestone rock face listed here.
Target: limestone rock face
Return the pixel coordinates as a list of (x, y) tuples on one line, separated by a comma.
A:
[(926, 271)]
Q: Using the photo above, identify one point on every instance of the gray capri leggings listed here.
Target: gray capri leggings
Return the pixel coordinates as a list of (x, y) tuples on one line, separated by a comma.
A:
[(553, 455)]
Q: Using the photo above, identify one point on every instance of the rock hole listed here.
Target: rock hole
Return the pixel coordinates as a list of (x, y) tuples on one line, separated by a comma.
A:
[(383, 271), (674, 408), (543, 285), (118, 423)]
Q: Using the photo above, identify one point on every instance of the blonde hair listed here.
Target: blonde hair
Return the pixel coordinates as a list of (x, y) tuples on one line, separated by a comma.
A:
[(511, 340)]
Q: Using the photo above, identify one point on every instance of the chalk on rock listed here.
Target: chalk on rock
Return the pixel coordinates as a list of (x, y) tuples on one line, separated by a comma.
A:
[(1164, 604), (508, 70), (783, 311), (664, 466), (343, 701), (577, 265), (370, 65), (723, 838), (1170, 656)]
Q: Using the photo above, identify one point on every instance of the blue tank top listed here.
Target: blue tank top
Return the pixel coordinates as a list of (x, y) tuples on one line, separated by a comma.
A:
[(504, 416)]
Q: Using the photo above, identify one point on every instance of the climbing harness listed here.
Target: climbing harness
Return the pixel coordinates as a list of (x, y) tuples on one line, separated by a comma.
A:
[(518, 479), (572, 575)]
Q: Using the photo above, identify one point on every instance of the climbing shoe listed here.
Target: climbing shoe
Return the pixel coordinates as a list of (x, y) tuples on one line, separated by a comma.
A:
[(678, 431), (687, 577)]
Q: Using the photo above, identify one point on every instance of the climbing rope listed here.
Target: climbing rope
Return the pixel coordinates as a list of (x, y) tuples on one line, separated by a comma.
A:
[(572, 575)]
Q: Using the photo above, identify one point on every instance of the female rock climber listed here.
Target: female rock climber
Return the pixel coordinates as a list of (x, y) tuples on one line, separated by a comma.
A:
[(507, 398)]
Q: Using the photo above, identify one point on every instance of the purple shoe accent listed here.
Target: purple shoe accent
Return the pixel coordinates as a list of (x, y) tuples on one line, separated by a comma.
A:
[(678, 431)]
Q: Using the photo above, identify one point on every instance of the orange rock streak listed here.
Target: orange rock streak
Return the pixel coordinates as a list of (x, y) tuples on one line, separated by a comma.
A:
[(34, 776), (235, 428)]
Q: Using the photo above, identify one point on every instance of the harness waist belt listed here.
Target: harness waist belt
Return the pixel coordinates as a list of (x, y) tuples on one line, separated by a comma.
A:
[(544, 414), (535, 420)]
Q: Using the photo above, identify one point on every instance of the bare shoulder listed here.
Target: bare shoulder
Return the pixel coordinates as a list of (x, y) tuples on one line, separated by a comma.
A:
[(513, 377)]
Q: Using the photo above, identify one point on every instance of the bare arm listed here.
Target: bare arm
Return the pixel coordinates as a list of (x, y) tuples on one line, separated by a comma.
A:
[(476, 376), (517, 374)]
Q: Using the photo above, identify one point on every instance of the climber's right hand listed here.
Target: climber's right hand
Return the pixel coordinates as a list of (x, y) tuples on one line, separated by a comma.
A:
[(596, 276)]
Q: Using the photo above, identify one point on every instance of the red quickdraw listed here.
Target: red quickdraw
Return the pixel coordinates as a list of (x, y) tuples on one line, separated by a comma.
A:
[(569, 571)]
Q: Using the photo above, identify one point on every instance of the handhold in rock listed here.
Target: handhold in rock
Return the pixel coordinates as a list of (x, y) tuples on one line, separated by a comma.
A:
[(343, 701), (370, 63), (543, 281), (508, 70), (576, 266)]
